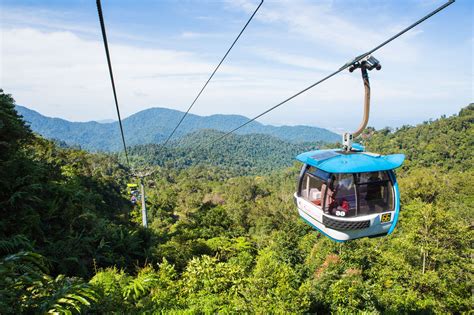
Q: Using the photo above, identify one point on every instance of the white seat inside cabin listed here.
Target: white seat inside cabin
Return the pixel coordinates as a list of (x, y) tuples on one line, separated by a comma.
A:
[(314, 194)]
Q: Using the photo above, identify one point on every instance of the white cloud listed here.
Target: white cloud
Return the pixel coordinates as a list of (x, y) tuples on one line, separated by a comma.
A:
[(297, 60), (38, 18), (60, 72), (71, 72), (314, 20)]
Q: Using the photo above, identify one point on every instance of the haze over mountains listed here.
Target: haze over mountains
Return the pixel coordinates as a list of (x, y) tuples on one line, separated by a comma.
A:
[(155, 124)]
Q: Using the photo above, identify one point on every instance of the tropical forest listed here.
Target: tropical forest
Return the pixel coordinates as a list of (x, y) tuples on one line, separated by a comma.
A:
[(199, 157), (223, 234)]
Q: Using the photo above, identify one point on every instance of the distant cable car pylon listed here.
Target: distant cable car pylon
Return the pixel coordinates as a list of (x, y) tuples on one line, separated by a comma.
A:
[(141, 175)]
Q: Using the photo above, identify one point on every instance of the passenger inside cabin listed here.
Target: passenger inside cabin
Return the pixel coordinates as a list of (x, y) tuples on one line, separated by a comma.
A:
[(344, 195), (331, 203)]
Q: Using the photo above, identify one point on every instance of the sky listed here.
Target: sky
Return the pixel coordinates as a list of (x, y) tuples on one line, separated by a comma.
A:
[(53, 59)]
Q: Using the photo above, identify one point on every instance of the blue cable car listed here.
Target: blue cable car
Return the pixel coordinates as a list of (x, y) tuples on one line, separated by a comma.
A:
[(349, 193)]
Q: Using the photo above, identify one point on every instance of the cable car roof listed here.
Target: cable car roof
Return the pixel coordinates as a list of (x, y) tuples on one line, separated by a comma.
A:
[(337, 161)]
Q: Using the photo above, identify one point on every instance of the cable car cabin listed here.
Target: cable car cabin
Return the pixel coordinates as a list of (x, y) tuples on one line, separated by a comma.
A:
[(132, 189), (349, 194)]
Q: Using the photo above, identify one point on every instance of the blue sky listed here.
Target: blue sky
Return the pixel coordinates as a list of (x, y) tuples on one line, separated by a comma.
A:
[(52, 59)]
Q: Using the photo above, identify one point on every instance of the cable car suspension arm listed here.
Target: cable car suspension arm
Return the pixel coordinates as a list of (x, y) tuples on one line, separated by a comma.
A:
[(368, 63)]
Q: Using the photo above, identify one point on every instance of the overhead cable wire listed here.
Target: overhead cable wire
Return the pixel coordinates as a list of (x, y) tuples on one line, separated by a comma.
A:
[(106, 46), (357, 59), (212, 75)]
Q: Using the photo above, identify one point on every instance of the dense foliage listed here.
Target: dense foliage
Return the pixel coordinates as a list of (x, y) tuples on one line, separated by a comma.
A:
[(155, 124), (218, 242), (240, 154), (445, 143)]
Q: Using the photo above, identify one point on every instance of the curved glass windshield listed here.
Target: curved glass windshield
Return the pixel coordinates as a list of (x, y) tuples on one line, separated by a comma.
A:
[(348, 195), (375, 191)]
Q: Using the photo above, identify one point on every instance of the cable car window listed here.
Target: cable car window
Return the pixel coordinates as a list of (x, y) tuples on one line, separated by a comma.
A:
[(319, 173), (341, 196), (311, 187), (363, 178), (375, 192)]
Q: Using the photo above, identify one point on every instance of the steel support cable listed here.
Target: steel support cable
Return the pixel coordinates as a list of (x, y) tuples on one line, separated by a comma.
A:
[(106, 46), (212, 75), (357, 59)]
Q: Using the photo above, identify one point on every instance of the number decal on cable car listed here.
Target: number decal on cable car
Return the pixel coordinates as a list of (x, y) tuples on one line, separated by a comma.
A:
[(386, 217)]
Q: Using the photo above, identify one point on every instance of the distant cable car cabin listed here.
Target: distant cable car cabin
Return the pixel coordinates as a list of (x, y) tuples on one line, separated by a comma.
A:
[(349, 193), (132, 188), (134, 193)]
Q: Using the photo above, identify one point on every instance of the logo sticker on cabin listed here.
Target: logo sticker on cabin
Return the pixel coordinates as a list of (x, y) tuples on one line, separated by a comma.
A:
[(386, 217)]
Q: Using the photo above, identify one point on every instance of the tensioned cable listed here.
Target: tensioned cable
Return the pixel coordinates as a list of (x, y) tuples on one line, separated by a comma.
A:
[(357, 59), (104, 37), (214, 72)]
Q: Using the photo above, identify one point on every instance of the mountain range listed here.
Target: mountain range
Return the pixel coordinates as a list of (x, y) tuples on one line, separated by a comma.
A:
[(153, 125)]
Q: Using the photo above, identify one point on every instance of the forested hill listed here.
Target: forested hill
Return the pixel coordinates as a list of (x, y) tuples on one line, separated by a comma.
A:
[(155, 124), (242, 154), (217, 242), (445, 143)]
